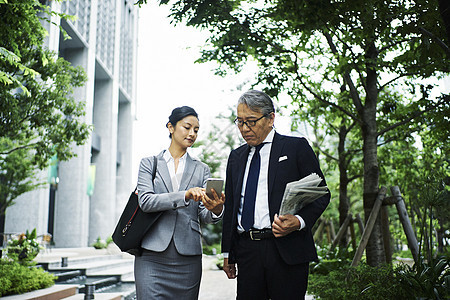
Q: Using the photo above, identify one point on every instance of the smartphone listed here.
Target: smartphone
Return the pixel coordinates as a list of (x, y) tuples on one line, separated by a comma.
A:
[(216, 184)]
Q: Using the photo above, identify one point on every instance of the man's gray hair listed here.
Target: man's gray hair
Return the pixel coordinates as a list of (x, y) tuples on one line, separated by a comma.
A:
[(257, 101)]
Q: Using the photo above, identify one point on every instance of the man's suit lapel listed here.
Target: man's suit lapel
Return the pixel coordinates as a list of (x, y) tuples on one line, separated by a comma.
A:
[(164, 172), (189, 169), (241, 163), (275, 153)]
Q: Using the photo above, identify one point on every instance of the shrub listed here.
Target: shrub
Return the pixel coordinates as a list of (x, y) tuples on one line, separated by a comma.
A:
[(333, 278), (362, 282), (403, 254), (329, 261), (23, 249), (18, 279), (219, 262), (208, 249), (101, 244), (427, 280)]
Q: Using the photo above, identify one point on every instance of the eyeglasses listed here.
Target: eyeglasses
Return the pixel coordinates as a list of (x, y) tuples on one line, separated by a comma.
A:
[(249, 123)]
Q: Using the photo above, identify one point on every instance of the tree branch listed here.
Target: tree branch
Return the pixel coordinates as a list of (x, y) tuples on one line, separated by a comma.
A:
[(322, 99), (436, 39), (325, 153), (394, 79), (353, 55), (403, 122), (350, 179), (353, 92), (18, 148), (389, 46)]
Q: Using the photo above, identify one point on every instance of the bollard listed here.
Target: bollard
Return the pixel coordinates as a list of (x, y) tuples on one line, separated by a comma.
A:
[(89, 290), (64, 261)]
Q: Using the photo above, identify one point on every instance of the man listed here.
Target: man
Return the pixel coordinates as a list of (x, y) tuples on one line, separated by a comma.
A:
[(272, 252)]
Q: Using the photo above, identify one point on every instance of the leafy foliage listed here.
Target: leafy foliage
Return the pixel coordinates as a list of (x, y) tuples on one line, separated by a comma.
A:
[(102, 244), (39, 116), (13, 60), (362, 282), (428, 280), (18, 279), (333, 278), (349, 67), (212, 249), (23, 249), (338, 259), (213, 151), (423, 171), (220, 140)]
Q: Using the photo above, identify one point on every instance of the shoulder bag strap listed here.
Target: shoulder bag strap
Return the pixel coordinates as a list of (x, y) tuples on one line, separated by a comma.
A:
[(155, 162)]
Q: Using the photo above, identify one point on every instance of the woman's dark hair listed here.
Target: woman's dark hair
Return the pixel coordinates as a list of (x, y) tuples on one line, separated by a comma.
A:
[(180, 113)]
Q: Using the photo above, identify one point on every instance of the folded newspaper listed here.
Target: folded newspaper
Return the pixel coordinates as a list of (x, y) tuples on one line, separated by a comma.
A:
[(300, 193)]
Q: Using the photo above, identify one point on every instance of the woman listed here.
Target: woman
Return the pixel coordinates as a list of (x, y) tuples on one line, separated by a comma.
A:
[(170, 266)]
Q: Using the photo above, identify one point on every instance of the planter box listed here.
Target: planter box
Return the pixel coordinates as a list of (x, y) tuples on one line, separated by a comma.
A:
[(58, 291)]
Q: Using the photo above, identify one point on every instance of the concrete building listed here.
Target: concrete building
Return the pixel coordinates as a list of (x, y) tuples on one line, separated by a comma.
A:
[(90, 191)]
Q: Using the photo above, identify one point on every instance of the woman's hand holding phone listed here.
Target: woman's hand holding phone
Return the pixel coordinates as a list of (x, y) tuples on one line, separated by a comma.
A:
[(214, 204)]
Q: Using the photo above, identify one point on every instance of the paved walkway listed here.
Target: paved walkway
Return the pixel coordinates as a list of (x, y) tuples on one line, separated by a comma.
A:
[(214, 286)]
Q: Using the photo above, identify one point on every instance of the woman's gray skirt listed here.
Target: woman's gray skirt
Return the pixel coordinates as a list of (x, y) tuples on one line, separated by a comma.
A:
[(167, 275)]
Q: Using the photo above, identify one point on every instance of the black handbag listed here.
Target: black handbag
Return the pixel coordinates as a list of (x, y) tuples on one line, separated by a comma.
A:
[(134, 223)]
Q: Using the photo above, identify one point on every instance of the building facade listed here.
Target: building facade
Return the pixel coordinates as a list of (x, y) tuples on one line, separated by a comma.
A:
[(86, 194)]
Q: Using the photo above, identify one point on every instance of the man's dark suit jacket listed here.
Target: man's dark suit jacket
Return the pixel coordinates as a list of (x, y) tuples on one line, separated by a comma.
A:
[(298, 246)]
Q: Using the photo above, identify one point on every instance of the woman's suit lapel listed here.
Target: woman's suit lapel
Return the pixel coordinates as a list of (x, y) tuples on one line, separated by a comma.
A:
[(189, 170), (164, 172)]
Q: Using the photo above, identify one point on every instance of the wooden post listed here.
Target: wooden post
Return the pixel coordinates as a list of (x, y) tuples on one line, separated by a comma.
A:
[(369, 226), (403, 215), (349, 234), (318, 233), (352, 234), (327, 229), (386, 234), (341, 232), (360, 223), (333, 233)]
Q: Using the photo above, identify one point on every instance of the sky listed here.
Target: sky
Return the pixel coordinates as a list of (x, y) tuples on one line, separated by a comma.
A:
[(167, 77)]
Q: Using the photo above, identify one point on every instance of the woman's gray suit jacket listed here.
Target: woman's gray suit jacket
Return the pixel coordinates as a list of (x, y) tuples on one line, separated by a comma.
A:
[(180, 219)]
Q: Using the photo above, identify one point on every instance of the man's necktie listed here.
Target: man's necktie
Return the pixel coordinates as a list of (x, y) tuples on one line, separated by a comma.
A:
[(248, 211)]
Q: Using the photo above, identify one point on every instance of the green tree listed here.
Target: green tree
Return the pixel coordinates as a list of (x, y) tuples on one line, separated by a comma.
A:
[(337, 140), (221, 139), (347, 55), (213, 151), (421, 164), (39, 117)]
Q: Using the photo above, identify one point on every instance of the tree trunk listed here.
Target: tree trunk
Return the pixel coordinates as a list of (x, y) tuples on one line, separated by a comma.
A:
[(2, 231), (2, 223), (344, 203), (375, 248), (368, 230), (440, 236)]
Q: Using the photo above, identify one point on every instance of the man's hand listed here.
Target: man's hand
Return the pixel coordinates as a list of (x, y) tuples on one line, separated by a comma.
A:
[(230, 269), (285, 224)]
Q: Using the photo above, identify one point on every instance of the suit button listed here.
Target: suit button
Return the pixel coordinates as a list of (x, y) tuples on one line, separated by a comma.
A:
[(175, 205)]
